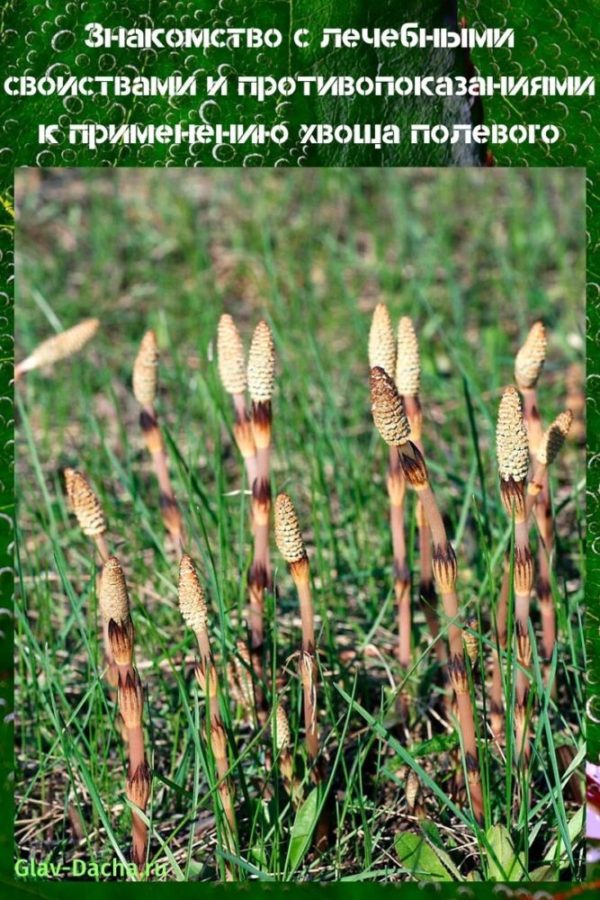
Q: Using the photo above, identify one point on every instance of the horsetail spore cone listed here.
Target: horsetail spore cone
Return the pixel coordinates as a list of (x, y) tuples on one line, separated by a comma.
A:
[(531, 357), (261, 365), (87, 508), (408, 363), (59, 347), (114, 610), (230, 351), (192, 604), (382, 342), (145, 371)]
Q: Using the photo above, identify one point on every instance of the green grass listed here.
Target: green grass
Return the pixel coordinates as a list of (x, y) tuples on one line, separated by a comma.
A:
[(474, 258)]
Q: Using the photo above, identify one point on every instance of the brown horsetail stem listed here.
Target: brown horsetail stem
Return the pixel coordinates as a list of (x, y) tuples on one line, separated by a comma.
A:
[(145, 380), (382, 353), (87, 508), (194, 611), (408, 383), (512, 451), (116, 616), (58, 347), (232, 371), (261, 381), (391, 421)]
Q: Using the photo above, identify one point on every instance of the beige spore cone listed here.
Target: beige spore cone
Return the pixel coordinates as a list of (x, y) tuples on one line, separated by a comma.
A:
[(84, 503), (408, 365), (530, 358), (261, 364), (382, 342), (145, 371), (288, 536), (512, 448), (388, 410), (231, 358)]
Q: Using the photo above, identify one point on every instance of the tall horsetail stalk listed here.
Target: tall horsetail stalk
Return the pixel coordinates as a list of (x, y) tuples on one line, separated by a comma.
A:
[(145, 378), (382, 353), (58, 347), (115, 611), (408, 383), (512, 452), (194, 611), (232, 371), (392, 423), (261, 381), (290, 544)]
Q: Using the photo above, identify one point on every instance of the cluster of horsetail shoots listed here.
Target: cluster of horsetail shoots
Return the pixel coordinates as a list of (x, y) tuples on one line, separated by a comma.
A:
[(115, 612), (145, 380), (391, 421), (290, 544), (58, 347), (194, 611)]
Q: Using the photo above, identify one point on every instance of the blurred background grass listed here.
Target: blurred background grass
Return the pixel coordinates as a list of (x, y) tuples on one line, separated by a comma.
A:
[(474, 257)]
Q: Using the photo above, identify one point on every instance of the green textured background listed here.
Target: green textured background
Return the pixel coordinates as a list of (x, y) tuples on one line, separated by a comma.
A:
[(552, 36)]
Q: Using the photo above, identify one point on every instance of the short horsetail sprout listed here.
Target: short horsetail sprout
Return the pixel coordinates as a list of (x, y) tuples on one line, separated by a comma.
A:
[(382, 353), (87, 508), (286, 762), (408, 383), (232, 370), (58, 347), (512, 450), (137, 788), (145, 380), (390, 419)]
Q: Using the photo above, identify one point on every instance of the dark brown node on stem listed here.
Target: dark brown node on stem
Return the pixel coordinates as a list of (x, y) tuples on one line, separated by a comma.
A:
[(458, 674), (258, 576), (262, 418), (413, 466), (131, 699), (543, 590), (261, 492), (151, 431), (120, 636), (512, 494), (445, 567), (402, 573), (523, 570), (138, 785)]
